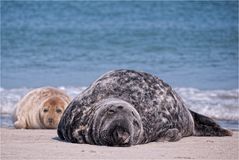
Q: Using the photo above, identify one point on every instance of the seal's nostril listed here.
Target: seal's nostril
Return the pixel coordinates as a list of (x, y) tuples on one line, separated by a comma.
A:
[(50, 120)]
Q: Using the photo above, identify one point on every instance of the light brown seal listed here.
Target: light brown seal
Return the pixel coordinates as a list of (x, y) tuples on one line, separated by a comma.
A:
[(41, 108)]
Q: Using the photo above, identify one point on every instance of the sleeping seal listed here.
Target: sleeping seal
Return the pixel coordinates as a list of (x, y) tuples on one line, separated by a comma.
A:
[(126, 107)]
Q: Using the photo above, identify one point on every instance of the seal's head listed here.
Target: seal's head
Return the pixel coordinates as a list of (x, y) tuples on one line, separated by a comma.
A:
[(116, 123), (51, 112)]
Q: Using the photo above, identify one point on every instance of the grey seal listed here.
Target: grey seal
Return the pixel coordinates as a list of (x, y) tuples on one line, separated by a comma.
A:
[(126, 107)]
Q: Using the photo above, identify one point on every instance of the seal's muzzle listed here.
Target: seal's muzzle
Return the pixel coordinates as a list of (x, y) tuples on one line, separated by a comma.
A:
[(116, 123)]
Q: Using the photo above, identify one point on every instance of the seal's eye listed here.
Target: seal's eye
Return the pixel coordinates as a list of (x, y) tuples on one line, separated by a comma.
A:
[(58, 110), (45, 110), (120, 107)]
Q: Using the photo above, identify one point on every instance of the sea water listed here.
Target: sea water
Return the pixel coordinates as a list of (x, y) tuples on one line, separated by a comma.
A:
[(193, 46)]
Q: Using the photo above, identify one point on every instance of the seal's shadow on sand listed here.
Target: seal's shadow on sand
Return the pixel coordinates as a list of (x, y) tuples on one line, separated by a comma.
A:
[(58, 139)]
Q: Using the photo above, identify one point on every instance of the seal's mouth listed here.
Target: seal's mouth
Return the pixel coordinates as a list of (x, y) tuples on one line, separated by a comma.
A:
[(51, 124), (116, 134), (121, 136)]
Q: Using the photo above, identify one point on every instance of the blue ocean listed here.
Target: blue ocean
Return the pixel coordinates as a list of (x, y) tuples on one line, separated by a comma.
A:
[(191, 45)]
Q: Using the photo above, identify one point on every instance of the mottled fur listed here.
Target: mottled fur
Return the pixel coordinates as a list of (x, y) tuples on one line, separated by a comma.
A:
[(94, 117)]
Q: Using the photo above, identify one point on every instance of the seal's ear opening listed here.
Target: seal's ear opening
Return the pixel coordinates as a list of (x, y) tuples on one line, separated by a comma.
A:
[(121, 136)]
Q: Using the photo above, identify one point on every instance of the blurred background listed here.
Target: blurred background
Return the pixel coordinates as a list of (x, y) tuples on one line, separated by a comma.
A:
[(193, 46)]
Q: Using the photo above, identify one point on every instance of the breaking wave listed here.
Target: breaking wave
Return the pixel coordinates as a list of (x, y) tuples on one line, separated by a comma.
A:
[(219, 104)]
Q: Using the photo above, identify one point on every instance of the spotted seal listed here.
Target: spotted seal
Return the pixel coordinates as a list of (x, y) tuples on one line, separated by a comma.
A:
[(126, 107)]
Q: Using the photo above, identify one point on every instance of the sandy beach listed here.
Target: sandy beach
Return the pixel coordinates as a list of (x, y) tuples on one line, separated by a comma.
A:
[(44, 144)]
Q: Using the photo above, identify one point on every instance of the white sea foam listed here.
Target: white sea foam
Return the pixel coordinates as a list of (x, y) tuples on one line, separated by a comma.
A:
[(220, 104)]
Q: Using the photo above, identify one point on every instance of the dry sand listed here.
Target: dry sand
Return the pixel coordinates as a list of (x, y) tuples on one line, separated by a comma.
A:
[(44, 144)]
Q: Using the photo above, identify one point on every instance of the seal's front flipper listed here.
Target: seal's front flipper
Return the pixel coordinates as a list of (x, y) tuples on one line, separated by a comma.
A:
[(205, 126), (173, 135), (19, 125), (170, 135)]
